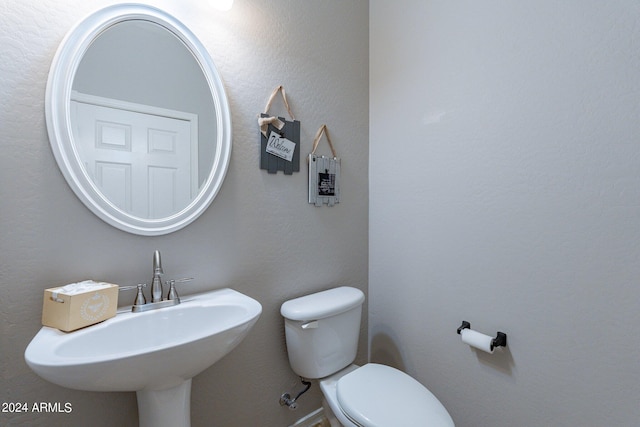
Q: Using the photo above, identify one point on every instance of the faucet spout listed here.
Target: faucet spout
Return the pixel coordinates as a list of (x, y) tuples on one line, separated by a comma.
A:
[(157, 263), (156, 282)]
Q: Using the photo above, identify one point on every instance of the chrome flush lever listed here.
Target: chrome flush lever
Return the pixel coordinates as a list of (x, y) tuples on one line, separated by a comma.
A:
[(310, 325)]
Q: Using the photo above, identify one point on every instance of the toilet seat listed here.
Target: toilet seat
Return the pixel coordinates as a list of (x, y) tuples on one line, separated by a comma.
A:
[(381, 396)]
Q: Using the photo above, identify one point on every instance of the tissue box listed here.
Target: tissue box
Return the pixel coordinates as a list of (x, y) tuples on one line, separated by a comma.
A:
[(77, 305)]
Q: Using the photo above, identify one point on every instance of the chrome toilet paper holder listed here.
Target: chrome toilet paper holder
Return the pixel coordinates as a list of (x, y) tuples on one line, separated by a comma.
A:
[(499, 341)]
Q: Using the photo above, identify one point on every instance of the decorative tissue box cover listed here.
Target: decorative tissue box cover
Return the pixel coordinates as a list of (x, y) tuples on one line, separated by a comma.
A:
[(77, 305)]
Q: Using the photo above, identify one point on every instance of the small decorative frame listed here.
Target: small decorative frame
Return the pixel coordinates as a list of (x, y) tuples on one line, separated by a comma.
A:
[(324, 174)]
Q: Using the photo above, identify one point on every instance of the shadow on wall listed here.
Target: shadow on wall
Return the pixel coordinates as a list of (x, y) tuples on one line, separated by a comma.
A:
[(385, 351)]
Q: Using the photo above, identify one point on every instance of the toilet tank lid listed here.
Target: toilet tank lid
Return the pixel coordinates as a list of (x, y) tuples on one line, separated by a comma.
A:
[(322, 304)]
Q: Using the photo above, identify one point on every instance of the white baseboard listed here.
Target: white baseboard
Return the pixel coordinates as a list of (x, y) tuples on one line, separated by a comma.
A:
[(314, 419)]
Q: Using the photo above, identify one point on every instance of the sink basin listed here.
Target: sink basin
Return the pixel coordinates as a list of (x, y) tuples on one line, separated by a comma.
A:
[(153, 353)]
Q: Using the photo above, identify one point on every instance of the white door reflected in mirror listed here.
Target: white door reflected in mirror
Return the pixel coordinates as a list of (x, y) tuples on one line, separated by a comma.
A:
[(144, 161)]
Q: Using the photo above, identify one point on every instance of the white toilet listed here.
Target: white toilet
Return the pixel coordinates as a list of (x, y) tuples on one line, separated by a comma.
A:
[(322, 331)]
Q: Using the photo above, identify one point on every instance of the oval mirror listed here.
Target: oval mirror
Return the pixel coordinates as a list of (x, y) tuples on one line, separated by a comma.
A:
[(138, 119)]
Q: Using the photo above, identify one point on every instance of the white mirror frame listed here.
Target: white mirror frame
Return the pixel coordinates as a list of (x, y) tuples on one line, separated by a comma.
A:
[(58, 114)]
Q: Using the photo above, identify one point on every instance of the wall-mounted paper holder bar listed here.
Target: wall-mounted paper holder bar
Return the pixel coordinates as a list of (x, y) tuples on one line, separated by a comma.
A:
[(499, 341)]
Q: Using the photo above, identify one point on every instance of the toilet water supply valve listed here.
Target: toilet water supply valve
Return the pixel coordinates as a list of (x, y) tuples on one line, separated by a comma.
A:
[(286, 400)]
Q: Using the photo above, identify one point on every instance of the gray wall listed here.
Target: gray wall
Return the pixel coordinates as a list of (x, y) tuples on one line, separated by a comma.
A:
[(505, 188), (319, 51)]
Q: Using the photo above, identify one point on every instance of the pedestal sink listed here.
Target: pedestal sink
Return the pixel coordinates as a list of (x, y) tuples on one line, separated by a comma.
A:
[(155, 353)]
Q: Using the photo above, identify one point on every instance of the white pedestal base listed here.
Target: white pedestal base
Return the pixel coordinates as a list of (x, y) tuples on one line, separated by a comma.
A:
[(165, 408)]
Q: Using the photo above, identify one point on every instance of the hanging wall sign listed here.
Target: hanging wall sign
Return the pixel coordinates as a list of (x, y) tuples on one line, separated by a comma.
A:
[(324, 174), (279, 139)]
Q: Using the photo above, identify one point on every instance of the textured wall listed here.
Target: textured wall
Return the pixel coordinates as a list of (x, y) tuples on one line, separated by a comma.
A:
[(319, 51), (512, 203)]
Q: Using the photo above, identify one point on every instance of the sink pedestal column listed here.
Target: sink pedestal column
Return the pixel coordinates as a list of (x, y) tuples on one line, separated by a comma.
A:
[(165, 408)]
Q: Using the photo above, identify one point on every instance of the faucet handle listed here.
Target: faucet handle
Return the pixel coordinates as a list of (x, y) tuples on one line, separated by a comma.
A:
[(173, 294), (140, 299)]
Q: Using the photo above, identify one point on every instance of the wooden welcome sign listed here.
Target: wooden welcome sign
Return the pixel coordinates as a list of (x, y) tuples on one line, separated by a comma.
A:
[(279, 139)]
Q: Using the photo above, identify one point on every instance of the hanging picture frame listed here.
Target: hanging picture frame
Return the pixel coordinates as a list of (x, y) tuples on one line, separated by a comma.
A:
[(279, 139), (324, 173)]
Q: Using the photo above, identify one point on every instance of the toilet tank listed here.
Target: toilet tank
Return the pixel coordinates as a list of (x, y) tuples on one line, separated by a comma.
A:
[(322, 331)]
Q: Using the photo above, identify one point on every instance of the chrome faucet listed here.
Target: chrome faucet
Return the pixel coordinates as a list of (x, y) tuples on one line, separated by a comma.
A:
[(157, 301), (156, 282)]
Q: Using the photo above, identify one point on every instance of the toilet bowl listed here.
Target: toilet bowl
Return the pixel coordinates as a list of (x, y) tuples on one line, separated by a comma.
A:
[(379, 395), (321, 332)]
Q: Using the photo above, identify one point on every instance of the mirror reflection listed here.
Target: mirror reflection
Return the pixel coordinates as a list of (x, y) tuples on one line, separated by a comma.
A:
[(143, 119)]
